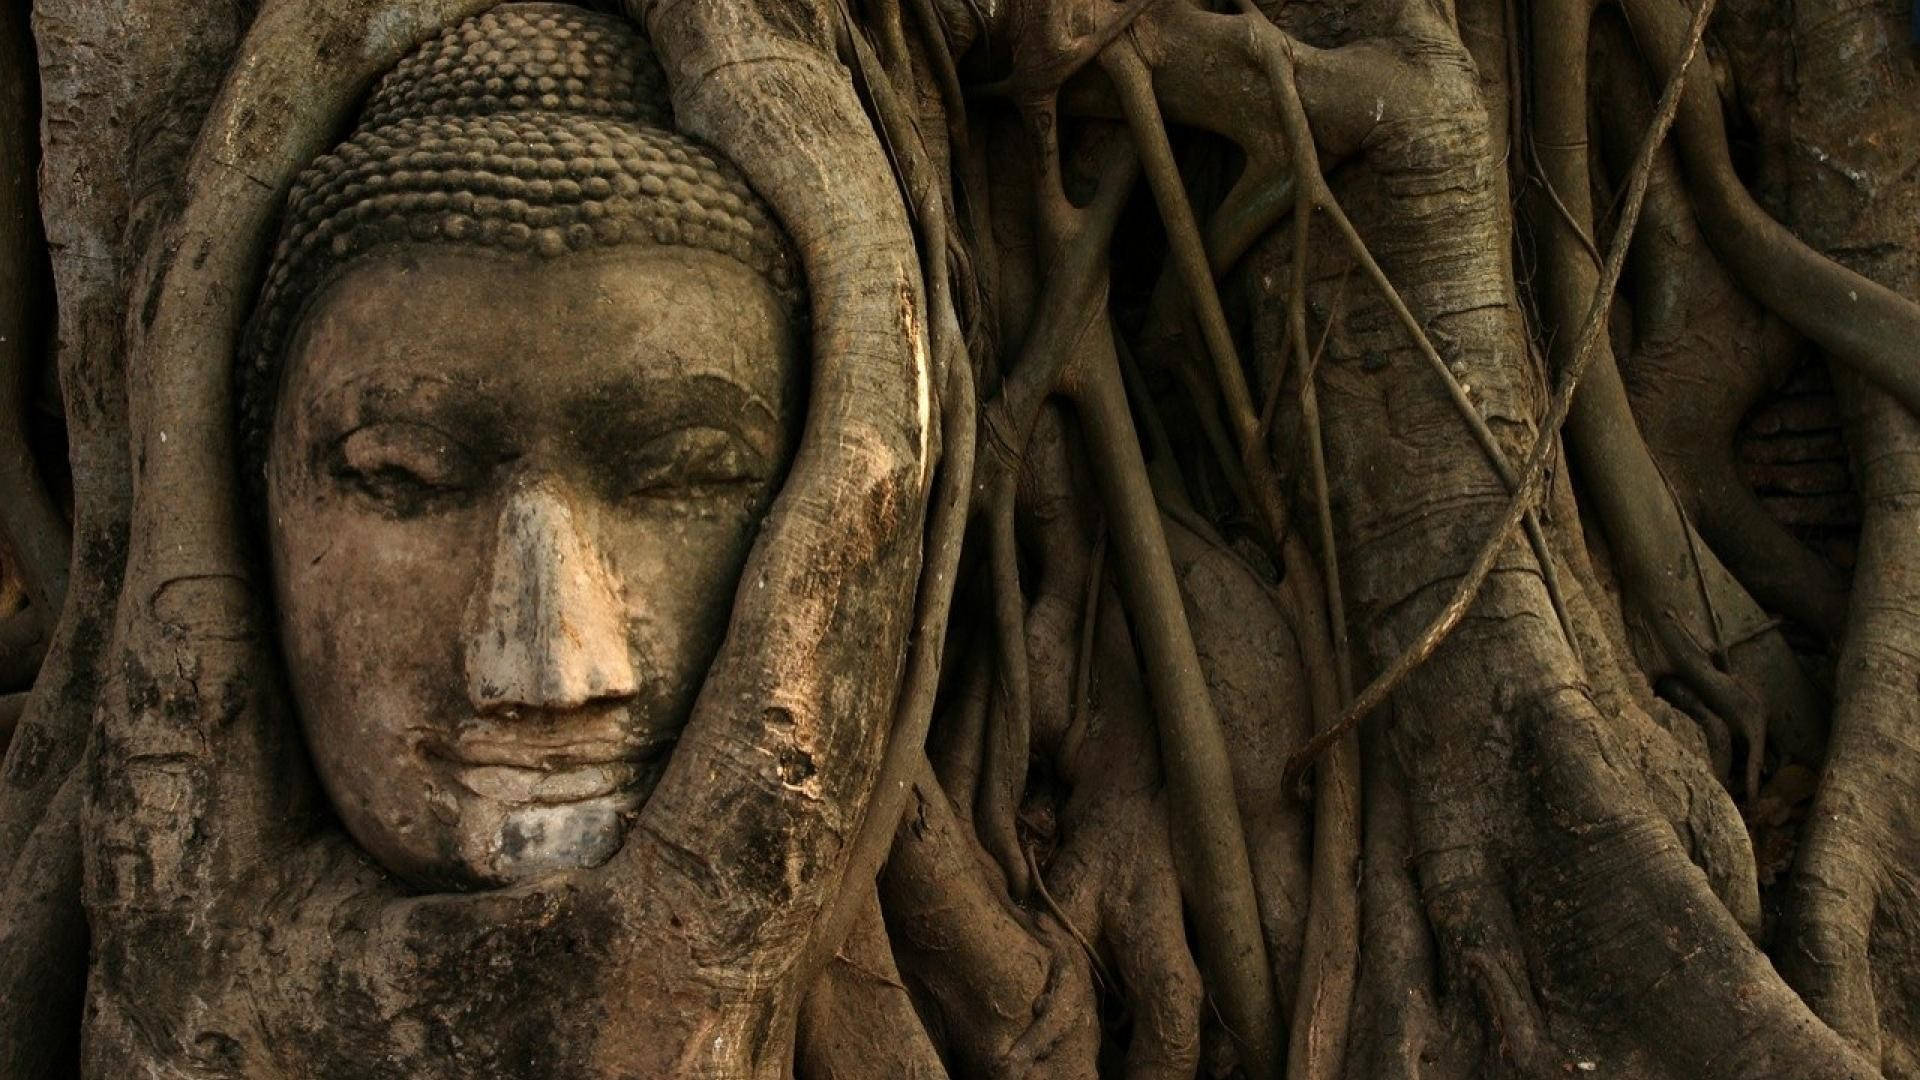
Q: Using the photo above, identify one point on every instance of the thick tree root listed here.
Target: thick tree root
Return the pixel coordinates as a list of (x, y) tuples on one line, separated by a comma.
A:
[(998, 997), (1702, 355), (1848, 940), (1861, 323), (1696, 610)]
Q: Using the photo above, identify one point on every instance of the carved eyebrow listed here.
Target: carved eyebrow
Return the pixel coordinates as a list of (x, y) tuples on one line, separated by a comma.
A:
[(645, 406), (449, 405)]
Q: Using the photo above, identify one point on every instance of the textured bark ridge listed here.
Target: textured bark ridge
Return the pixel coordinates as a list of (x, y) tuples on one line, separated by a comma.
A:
[(1353, 540)]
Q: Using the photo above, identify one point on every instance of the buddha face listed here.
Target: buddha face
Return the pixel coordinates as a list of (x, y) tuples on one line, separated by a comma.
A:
[(509, 502)]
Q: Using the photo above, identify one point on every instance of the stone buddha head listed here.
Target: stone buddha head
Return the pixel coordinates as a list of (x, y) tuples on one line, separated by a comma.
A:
[(523, 380)]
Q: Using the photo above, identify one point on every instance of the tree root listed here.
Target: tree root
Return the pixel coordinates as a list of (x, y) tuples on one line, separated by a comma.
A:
[(1209, 839), (1859, 322), (1695, 608), (983, 980), (1004, 772), (857, 1020), (1328, 973), (1848, 935), (1703, 355), (1533, 472)]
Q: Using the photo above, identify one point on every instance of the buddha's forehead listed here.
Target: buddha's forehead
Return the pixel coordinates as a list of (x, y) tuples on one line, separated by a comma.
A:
[(532, 325)]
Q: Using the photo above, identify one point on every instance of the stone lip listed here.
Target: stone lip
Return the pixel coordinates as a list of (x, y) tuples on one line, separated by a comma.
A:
[(546, 787), (538, 757)]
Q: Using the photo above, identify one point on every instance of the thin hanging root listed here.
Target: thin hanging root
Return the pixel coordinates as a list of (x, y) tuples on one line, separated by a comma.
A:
[(1336, 604), (1323, 507), (1005, 774), (1269, 410), (1209, 841), (1535, 471), (1076, 733), (1068, 309), (1330, 955), (1101, 977), (1255, 204), (1130, 75)]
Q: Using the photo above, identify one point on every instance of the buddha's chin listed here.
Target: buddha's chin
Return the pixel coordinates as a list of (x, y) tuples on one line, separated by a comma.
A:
[(508, 843)]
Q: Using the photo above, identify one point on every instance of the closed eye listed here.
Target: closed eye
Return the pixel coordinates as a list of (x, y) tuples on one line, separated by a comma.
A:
[(693, 463), (403, 465)]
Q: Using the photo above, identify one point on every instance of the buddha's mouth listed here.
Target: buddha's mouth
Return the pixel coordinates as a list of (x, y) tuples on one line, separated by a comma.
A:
[(547, 787), (554, 759)]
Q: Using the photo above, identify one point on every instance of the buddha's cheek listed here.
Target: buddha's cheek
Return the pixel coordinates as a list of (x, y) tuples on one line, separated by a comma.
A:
[(370, 618), (679, 577)]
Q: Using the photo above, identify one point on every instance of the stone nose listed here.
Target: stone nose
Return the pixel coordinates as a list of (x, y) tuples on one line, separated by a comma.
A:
[(547, 626)]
